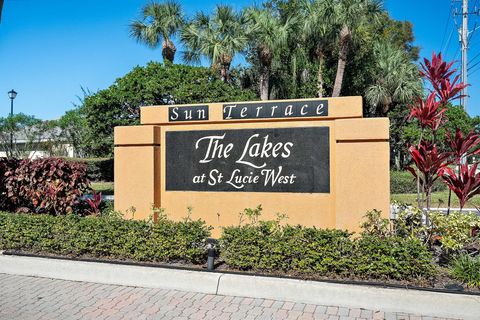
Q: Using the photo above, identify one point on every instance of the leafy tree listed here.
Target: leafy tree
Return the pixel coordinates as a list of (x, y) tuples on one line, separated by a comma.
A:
[(72, 125), (267, 37), (154, 84), (352, 17), (397, 79), (218, 38), (159, 23), (317, 28), (25, 131)]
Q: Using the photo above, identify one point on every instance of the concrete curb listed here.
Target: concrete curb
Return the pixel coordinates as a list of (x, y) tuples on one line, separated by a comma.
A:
[(368, 297)]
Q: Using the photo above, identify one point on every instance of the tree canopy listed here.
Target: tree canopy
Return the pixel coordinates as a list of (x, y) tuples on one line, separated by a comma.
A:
[(154, 84)]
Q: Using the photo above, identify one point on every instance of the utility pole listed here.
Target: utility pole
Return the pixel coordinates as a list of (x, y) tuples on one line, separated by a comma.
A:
[(464, 43)]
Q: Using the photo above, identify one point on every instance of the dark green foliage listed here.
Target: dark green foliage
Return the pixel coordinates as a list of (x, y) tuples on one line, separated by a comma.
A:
[(267, 246), (404, 182), (106, 237), (119, 105), (98, 169), (392, 258), (467, 269), (50, 185)]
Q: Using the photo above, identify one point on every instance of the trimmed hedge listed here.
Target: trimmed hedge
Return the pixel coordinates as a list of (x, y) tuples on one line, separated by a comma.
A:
[(107, 237), (404, 182), (270, 247), (98, 169)]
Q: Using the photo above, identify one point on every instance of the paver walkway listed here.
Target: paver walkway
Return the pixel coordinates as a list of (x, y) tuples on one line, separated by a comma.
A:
[(40, 298)]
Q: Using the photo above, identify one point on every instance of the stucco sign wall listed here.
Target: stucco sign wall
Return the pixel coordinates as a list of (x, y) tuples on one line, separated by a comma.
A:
[(316, 160)]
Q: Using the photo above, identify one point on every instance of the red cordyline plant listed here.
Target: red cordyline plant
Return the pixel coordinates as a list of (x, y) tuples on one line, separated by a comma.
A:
[(430, 164), (465, 184), (438, 72), (94, 204), (429, 113), (463, 145)]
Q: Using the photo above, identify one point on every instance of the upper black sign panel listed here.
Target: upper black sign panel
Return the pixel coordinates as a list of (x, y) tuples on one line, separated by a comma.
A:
[(193, 113), (288, 109), (252, 160)]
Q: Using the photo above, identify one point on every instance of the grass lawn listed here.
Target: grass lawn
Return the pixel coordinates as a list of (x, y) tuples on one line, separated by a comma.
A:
[(106, 188), (439, 199)]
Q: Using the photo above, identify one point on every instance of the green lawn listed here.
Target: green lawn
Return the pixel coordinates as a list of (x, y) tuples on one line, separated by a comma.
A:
[(106, 188), (439, 199)]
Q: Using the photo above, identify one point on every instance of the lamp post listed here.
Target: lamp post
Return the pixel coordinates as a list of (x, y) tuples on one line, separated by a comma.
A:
[(12, 94)]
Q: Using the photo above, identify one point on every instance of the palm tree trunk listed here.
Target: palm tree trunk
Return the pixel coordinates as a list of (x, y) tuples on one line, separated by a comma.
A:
[(264, 83), (320, 73), (224, 72), (345, 36), (168, 51)]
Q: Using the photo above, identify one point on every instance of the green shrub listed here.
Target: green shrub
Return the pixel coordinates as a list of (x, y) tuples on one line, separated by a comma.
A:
[(454, 230), (98, 169), (467, 269), (268, 246), (404, 182), (392, 258), (106, 237)]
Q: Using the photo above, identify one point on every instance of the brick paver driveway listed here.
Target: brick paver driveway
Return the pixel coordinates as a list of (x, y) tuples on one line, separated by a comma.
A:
[(40, 298)]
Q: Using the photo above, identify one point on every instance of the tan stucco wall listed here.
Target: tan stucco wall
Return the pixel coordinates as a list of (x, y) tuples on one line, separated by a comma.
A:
[(359, 171)]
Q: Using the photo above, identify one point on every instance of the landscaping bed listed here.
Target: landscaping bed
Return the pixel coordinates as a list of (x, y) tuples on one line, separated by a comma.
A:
[(258, 248)]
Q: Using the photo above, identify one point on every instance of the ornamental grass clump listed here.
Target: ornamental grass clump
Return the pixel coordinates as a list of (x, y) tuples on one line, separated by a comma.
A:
[(467, 269)]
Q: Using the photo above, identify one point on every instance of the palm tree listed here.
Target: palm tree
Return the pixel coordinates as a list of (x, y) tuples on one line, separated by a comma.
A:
[(267, 36), (218, 38), (317, 16), (351, 16), (160, 22), (397, 79)]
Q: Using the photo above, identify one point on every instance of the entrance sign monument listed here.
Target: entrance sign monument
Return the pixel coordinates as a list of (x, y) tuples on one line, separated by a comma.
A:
[(316, 160)]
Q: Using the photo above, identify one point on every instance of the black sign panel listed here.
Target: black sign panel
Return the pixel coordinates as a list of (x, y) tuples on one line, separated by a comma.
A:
[(252, 160), (193, 113), (261, 110)]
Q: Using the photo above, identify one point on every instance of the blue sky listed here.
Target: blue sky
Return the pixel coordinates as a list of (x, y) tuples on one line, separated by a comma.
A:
[(50, 49)]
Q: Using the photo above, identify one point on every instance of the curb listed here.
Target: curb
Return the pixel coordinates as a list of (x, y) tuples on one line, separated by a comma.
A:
[(444, 305)]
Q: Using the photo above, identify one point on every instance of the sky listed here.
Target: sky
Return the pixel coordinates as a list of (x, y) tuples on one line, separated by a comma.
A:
[(51, 49)]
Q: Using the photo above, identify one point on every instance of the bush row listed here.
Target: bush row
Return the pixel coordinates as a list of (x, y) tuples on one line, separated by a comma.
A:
[(404, 182), (108, 237), (271, 247), (98, 169), (264, 246)]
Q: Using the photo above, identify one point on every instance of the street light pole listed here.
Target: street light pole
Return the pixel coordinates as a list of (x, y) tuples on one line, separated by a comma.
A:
[(12, 94)]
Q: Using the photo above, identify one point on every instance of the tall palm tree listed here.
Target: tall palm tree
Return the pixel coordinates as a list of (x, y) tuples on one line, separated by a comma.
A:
[(267, 36), (218, 38), (159, 23), (351, 16), (317, 16), (397, 79)]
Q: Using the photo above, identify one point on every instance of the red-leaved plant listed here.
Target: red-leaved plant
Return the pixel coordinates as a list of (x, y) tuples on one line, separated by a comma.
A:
[(94, 203), (51, 185), (430, 164), (429, 113), (465, 184), (463, 145)]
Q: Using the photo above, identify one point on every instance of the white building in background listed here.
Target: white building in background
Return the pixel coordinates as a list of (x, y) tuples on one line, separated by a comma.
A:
[(42, 146)]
